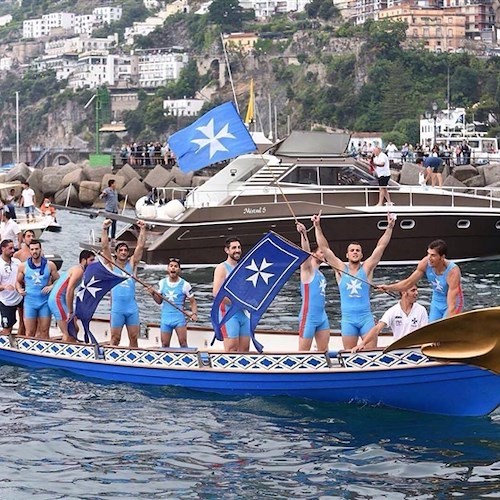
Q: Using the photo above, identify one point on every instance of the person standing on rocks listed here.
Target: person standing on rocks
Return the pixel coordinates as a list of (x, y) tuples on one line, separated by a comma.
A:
[(110, 197)]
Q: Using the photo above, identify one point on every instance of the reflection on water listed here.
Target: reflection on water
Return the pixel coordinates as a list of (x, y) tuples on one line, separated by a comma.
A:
[(65, 437)]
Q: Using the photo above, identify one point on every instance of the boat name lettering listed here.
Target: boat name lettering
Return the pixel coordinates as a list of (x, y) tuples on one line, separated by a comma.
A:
[(251, 211)]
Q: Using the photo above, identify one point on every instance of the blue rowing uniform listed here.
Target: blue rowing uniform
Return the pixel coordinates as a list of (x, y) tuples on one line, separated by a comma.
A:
[(35, 279), (124, 308), (313, 316), (357, 317), (175, 292), (239, 324), (440, 287), (57, 298)]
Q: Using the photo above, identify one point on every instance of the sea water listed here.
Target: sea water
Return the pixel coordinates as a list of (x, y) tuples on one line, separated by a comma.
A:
[(68, 437)]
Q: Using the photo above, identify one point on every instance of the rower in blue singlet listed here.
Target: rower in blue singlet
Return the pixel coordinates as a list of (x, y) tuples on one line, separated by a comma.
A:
[(124, 308), (34, 281), (174, 291), (236, 331), (354, 279), (440, 289)]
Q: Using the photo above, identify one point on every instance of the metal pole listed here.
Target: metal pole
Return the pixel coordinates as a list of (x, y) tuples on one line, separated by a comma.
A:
[(97, 118), (17, 127), (229, 73)]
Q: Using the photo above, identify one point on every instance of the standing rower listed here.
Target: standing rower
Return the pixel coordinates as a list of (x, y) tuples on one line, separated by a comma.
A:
[(124, 308), (35, 279), (62, 295)]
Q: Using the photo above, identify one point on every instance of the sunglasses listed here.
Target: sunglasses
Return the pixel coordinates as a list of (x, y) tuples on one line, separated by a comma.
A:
[(173, 259)]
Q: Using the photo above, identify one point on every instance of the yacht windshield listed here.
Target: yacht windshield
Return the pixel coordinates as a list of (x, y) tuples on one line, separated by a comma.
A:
[(328, 175)]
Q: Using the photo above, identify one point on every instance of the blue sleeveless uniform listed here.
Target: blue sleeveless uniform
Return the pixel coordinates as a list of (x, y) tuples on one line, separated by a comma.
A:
[(57, 298), (175, 292), (239, 324), (124, 308), (35, 302), (439, 304), (357, 317), (313, 316)]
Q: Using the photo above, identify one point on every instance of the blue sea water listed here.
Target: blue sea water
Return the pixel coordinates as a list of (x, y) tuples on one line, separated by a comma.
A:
[(67, 437)]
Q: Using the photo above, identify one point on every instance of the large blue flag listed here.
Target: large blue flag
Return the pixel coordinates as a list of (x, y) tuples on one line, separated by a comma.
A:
[(98, 280), (256, 280), (218, 135)]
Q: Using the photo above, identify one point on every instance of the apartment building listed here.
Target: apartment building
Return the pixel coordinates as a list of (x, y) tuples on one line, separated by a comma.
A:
[(36, 28), (183, 107), (158, 66), (243, 42), (438, 30)]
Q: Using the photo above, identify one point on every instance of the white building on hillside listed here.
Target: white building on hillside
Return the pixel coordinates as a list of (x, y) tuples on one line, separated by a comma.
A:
[(107, 15), (266, 8), (36, 28), (63, 65), (183, 107), (5, 63), (141, 29), (4, 20), (85, 23), (158, 66), (79, 44)]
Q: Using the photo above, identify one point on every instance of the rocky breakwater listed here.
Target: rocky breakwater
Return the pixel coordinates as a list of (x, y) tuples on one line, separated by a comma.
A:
[(80, 185), (465, 177)]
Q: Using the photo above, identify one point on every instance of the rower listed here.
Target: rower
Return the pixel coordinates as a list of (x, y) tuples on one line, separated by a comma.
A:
[(62, 295), (124, 308)]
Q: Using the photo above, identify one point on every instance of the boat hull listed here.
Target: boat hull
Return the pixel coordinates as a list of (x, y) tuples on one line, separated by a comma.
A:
[(469, 236), (411, 383)]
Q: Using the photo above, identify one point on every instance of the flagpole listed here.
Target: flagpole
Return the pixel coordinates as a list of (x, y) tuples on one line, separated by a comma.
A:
[(229, 72), (145, 285)]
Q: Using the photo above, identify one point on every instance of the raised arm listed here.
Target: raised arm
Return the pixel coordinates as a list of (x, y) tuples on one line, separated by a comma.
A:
[(372, 261), (141, 241), (454, 279), (407, 283), (105, 248), (306, 267), (330, 257)]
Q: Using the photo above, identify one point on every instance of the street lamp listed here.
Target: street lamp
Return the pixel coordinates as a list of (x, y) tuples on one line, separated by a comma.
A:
[(434, 117)]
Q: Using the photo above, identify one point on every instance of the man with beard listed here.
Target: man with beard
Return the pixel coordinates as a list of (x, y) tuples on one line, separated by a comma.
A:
[(10, 299), (63, 293), (354, 278), (175, 289), (124, 308), (236, 331), (35, 279)]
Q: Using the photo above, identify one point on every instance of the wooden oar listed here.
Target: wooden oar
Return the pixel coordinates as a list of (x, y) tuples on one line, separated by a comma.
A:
[(472, 338), (145, 285)]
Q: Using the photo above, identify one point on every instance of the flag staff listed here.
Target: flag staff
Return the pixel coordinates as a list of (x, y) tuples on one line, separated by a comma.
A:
[(149, 288)]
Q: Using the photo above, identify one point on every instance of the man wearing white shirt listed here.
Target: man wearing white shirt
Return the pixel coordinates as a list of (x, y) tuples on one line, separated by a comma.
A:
[(28, 201), (10, 230), (381, 163), (403, 318), (10, 299)]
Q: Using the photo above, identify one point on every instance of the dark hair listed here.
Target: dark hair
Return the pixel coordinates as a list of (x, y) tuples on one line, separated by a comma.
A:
[(440, 246), (230, 240), (313, 246), (176, 260), (5, 243), (121, 244), (419, 160), (7, 214), (28, 231), (355, 243), (26, 183), (86, 254), (36, 242), (111, 182)]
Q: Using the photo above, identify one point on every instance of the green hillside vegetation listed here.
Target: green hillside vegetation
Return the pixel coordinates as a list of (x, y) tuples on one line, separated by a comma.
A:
[(376, 83)]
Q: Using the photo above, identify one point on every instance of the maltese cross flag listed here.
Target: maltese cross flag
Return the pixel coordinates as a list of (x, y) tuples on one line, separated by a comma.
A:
[(218, 135), (256, 280)]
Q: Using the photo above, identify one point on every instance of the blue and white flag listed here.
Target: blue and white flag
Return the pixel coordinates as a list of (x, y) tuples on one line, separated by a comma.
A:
[(218, 135), (460, 118), (256, 280), (98, 280)]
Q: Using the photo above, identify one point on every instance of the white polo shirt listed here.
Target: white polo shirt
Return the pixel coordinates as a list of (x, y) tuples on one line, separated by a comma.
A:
[(8, 276), (9, 231), (402, 324)]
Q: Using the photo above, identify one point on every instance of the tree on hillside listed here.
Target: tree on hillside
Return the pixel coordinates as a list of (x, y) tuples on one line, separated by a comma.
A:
[(324, 9), (229, 15)]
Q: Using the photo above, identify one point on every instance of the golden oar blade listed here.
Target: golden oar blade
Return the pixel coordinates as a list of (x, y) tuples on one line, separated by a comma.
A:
[(472, 337)]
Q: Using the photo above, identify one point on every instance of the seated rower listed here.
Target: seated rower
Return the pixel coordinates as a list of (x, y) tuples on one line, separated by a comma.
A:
[(61, 297), (175, 289), (403, 318), (47, 209)]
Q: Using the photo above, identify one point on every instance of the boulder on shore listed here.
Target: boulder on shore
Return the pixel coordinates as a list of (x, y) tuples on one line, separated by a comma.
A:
[(20, 173), (61, 197), (134, 190), (89, 192), (119, 181), (158, 177), (74, 177)]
